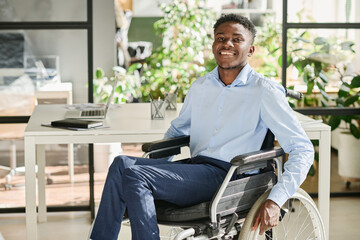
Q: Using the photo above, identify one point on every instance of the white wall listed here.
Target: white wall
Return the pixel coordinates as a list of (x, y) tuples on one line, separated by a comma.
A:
[(150, 8), (104, 35)]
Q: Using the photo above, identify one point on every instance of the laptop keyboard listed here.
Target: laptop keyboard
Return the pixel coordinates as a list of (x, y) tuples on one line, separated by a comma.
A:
[(91, 113)]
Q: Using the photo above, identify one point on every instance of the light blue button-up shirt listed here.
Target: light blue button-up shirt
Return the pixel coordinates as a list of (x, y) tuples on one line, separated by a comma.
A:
[(225, 121)]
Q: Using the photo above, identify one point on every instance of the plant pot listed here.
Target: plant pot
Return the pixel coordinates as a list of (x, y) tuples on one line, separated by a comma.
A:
[(335, 135), (349, 156)]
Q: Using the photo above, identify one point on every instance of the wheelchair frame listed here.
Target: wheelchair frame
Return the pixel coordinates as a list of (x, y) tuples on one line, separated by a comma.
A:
[(228, 227)]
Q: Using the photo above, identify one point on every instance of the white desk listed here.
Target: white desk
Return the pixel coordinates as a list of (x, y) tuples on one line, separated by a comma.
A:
[(321, 132), (130, 123), (58, 93)]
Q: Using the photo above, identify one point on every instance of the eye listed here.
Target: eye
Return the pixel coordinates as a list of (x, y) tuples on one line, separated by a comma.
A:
[(237, 40), (220, 39)]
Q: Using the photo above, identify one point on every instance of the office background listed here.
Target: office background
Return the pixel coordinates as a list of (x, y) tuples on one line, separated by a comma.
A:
[(76, 42)]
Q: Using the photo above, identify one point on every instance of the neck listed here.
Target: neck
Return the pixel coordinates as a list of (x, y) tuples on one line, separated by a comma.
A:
[(228, 75)]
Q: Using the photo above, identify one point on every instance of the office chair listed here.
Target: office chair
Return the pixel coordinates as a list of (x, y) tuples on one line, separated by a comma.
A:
[(231, 212), (14, 132), (16, 99)]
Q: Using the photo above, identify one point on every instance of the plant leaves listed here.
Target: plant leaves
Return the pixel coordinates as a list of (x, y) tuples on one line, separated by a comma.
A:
[(347, 45), (323, 77), (316, 155), (292, 105), (302, 39), (354, 131), (323, 103), (320, 41), (312, 171), (351, 100), (320, 85), (325, 48), (317, 68), (324, 94), (99, 73), (310, 87), (334, 122), (355, 82), (315, 142)]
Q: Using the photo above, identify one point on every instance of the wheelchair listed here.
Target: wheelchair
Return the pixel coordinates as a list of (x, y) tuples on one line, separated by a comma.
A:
[(233, 209)]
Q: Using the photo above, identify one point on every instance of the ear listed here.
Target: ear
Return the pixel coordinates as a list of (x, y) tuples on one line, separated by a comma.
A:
[(251, 51)]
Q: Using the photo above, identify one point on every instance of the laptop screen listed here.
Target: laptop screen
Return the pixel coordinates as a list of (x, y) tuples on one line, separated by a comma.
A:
[(111, 94)]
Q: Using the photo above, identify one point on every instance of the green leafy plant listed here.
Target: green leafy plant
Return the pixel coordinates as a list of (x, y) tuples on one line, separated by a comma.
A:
[(318, 59), (267, 49), (185, 53), (348, 96), (127, 88)]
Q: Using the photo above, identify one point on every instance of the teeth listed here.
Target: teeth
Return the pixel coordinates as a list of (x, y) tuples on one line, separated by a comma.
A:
[(226, 53)]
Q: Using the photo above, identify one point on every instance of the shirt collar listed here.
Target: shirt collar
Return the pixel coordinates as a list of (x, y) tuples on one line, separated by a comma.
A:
[(241, 79)]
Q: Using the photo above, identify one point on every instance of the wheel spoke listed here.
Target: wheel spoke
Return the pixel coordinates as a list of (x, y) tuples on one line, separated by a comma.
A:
[(302, 224), (289, 229)]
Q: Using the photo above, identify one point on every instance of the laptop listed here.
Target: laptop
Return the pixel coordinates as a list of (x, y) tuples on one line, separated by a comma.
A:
[(96, 113)]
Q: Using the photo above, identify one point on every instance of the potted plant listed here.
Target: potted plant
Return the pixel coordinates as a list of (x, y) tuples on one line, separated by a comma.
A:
[(185, 53), (127, 89), (349, 137)]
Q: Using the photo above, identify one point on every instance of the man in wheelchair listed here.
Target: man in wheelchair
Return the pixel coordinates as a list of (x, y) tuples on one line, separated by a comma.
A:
[(226, 113)]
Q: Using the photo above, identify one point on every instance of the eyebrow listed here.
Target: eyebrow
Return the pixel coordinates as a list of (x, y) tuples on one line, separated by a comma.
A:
[(234, 34)]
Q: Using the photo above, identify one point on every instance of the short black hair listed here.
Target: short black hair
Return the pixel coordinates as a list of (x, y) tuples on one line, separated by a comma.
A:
[(237, 19)]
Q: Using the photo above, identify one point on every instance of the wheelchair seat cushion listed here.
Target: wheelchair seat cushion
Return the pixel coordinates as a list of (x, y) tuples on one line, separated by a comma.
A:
[(172, 213)]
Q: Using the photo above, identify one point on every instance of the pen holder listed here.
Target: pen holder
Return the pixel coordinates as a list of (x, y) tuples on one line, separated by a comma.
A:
[(157, 109), (170, 101)]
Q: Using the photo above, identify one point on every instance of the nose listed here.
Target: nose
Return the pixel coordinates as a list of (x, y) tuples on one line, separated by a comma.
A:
[(228, 43)]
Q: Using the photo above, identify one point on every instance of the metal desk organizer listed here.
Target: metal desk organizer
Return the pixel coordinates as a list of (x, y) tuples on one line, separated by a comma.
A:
[(157, 109), (171, 100)]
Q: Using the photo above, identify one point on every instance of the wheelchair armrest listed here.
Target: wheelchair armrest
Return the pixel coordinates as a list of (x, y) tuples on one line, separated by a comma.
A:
[(257, 159), (166, 147)]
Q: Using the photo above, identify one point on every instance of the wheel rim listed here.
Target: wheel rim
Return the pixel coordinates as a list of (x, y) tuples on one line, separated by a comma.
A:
[(301, 221)]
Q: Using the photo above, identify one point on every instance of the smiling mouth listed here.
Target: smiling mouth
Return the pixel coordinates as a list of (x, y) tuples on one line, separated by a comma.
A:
[(227, 53)]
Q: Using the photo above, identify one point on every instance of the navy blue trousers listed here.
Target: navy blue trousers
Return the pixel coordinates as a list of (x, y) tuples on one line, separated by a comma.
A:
[(134, 183)]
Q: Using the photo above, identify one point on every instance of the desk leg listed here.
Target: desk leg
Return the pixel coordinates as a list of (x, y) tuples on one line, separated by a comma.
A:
[(71, 162), (324, 178), (40, 155), (30, 188)]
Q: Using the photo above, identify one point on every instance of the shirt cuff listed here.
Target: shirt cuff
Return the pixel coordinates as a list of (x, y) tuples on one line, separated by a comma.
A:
[(278, 197)]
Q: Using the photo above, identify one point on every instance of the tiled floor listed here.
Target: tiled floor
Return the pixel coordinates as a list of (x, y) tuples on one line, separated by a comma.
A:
[(344, 224), (344, 212)]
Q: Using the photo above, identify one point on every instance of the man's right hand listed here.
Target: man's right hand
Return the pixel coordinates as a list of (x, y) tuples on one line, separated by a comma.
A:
[(267, 216)]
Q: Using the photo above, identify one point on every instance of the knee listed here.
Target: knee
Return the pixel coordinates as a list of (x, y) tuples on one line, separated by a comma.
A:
[(132, 173), (118, 165), (133, 176)]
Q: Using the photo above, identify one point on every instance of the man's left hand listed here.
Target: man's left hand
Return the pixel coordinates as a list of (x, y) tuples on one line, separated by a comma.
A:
[(267, 216)]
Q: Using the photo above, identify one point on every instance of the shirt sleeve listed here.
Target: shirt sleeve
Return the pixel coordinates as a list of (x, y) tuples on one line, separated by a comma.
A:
[(281, 120), (180, 126)]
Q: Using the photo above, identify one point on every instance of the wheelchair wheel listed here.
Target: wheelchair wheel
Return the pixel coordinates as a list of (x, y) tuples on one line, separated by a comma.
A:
[(169, 233), (299, 219)]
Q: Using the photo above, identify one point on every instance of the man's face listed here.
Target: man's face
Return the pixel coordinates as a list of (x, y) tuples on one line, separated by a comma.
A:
[(232, 45)]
